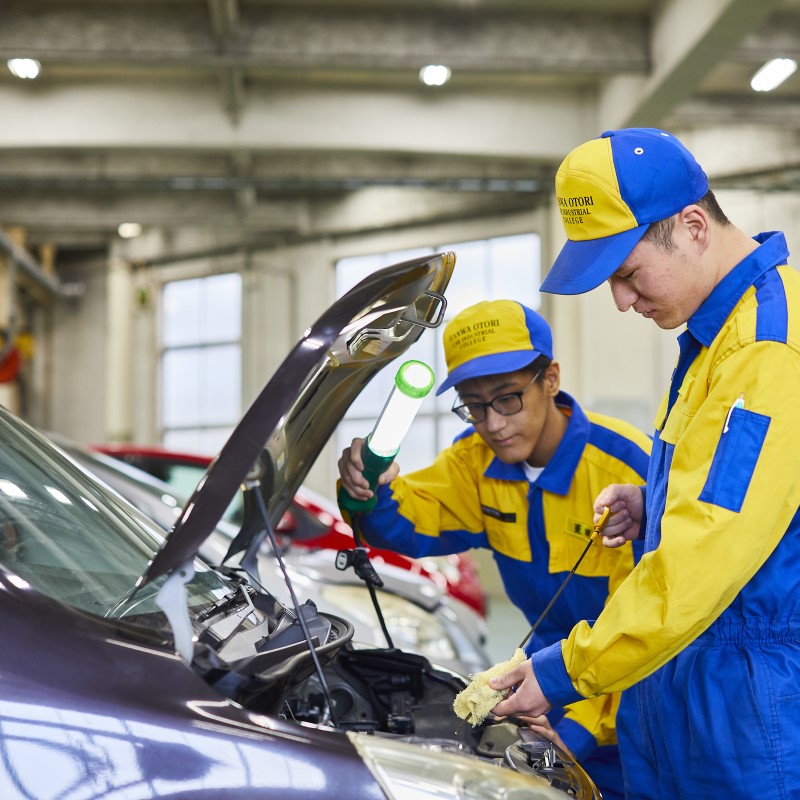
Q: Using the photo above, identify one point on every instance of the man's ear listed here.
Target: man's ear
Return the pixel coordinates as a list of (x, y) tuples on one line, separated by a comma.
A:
[(552, 379), (695, 224)]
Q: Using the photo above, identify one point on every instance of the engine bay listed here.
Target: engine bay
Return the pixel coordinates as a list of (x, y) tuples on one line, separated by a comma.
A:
[(373, 692), (390, 692)]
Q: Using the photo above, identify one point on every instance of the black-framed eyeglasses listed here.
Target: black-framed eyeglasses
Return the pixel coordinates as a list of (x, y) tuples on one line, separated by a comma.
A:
[(504, 404)]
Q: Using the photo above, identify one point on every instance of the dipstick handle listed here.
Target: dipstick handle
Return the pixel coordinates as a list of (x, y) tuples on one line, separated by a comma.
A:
[(597, 530)]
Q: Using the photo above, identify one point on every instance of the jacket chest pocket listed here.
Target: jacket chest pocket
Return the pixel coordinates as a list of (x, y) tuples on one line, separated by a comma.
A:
[(735, 459), (680, 415), (507, 531), (567, 546)]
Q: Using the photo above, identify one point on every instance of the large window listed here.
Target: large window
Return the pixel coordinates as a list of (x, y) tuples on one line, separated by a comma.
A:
[(489, 269), (201, 364)]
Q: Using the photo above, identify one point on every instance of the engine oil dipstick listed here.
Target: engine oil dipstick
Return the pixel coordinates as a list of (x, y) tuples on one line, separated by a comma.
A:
[(596, 532)]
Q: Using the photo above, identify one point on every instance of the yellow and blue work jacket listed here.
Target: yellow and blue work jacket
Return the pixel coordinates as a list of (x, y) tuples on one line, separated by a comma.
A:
[(537, 531), (711, 614)]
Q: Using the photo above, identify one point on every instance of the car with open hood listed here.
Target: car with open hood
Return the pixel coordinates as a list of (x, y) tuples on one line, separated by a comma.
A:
[(132, 668), (420, 617)]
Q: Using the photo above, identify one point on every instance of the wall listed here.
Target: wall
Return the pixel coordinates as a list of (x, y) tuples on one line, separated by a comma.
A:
[(78, 360)]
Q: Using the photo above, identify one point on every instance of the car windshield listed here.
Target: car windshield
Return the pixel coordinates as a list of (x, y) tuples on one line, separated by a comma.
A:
[(72, 539)]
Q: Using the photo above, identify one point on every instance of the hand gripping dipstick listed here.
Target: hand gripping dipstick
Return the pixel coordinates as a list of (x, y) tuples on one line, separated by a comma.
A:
[(596, 531)]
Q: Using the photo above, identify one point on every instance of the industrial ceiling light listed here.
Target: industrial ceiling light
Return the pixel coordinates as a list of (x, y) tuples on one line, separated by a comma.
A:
[(435, 75), (128, 230), (25, 68), (773, 74)]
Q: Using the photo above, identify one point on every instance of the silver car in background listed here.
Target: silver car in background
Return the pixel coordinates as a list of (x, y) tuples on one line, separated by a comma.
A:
[(420, 616)]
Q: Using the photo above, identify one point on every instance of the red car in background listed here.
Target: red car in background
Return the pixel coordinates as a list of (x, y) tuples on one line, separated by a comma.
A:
[(312, 521)]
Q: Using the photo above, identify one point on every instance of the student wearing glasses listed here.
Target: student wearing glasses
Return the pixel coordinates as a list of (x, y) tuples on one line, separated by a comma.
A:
[(521, 481)]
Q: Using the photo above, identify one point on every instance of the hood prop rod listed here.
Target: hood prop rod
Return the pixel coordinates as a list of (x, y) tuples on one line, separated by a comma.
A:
[(412, 383), (251, 485)]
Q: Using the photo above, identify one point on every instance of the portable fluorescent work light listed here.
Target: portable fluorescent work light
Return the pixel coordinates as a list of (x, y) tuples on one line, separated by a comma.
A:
[(412, 383)]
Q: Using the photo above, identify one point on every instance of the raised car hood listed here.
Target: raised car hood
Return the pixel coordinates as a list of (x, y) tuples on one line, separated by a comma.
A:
[(282, 433)]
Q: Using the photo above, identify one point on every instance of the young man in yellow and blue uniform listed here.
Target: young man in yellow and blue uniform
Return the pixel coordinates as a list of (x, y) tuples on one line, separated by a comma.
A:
[(706, 629), (520, 481)]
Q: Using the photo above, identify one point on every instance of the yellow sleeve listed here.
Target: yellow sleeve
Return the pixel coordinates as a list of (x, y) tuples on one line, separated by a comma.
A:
[(597, 716), (444, 495), (707, 553)]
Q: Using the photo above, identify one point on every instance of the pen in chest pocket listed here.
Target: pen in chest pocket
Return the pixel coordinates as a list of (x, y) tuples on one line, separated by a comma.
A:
[(737, 403)]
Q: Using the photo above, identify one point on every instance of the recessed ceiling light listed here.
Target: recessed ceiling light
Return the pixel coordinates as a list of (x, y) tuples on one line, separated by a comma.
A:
[(773, 74), (26, 68), (128, 230), (435, 75)]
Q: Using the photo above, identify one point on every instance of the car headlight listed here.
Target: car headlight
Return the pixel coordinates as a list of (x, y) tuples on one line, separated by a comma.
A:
[(411, 627), (409, 772)]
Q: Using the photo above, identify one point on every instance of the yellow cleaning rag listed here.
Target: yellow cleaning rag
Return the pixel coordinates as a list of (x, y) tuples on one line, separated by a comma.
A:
[(476, 701)]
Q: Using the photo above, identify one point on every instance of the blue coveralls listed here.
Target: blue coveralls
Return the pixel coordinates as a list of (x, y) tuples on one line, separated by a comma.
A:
[(710, 618), (537, 531)]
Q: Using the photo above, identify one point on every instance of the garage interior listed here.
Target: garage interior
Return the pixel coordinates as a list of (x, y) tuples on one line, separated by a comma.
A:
[(272, 140)]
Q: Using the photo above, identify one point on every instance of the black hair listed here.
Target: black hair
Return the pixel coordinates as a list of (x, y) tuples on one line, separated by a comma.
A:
[(660, 233), (536, 367), (539, 365)]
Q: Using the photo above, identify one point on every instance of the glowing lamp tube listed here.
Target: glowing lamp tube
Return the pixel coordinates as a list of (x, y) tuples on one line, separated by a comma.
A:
[(411, 386), (412, 383)]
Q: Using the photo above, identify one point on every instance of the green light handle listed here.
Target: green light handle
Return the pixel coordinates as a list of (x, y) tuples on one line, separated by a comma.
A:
[(374, 467)]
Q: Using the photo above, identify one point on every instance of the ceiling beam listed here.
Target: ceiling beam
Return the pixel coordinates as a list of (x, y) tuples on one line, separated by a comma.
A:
[(224, 15), (731, 154), (782, 36), (105, 211), (717, 111), (176, 115), (264, 169), (280, 37), (231, 80), (94, 217), (688, 39)]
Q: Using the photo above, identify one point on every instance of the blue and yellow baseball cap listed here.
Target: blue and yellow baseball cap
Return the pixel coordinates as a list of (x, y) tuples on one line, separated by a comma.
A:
[(492, 337), (609, 190)]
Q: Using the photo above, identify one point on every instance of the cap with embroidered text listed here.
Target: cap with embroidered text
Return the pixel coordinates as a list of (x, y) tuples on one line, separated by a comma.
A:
[(609, 191), (493, 337)]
